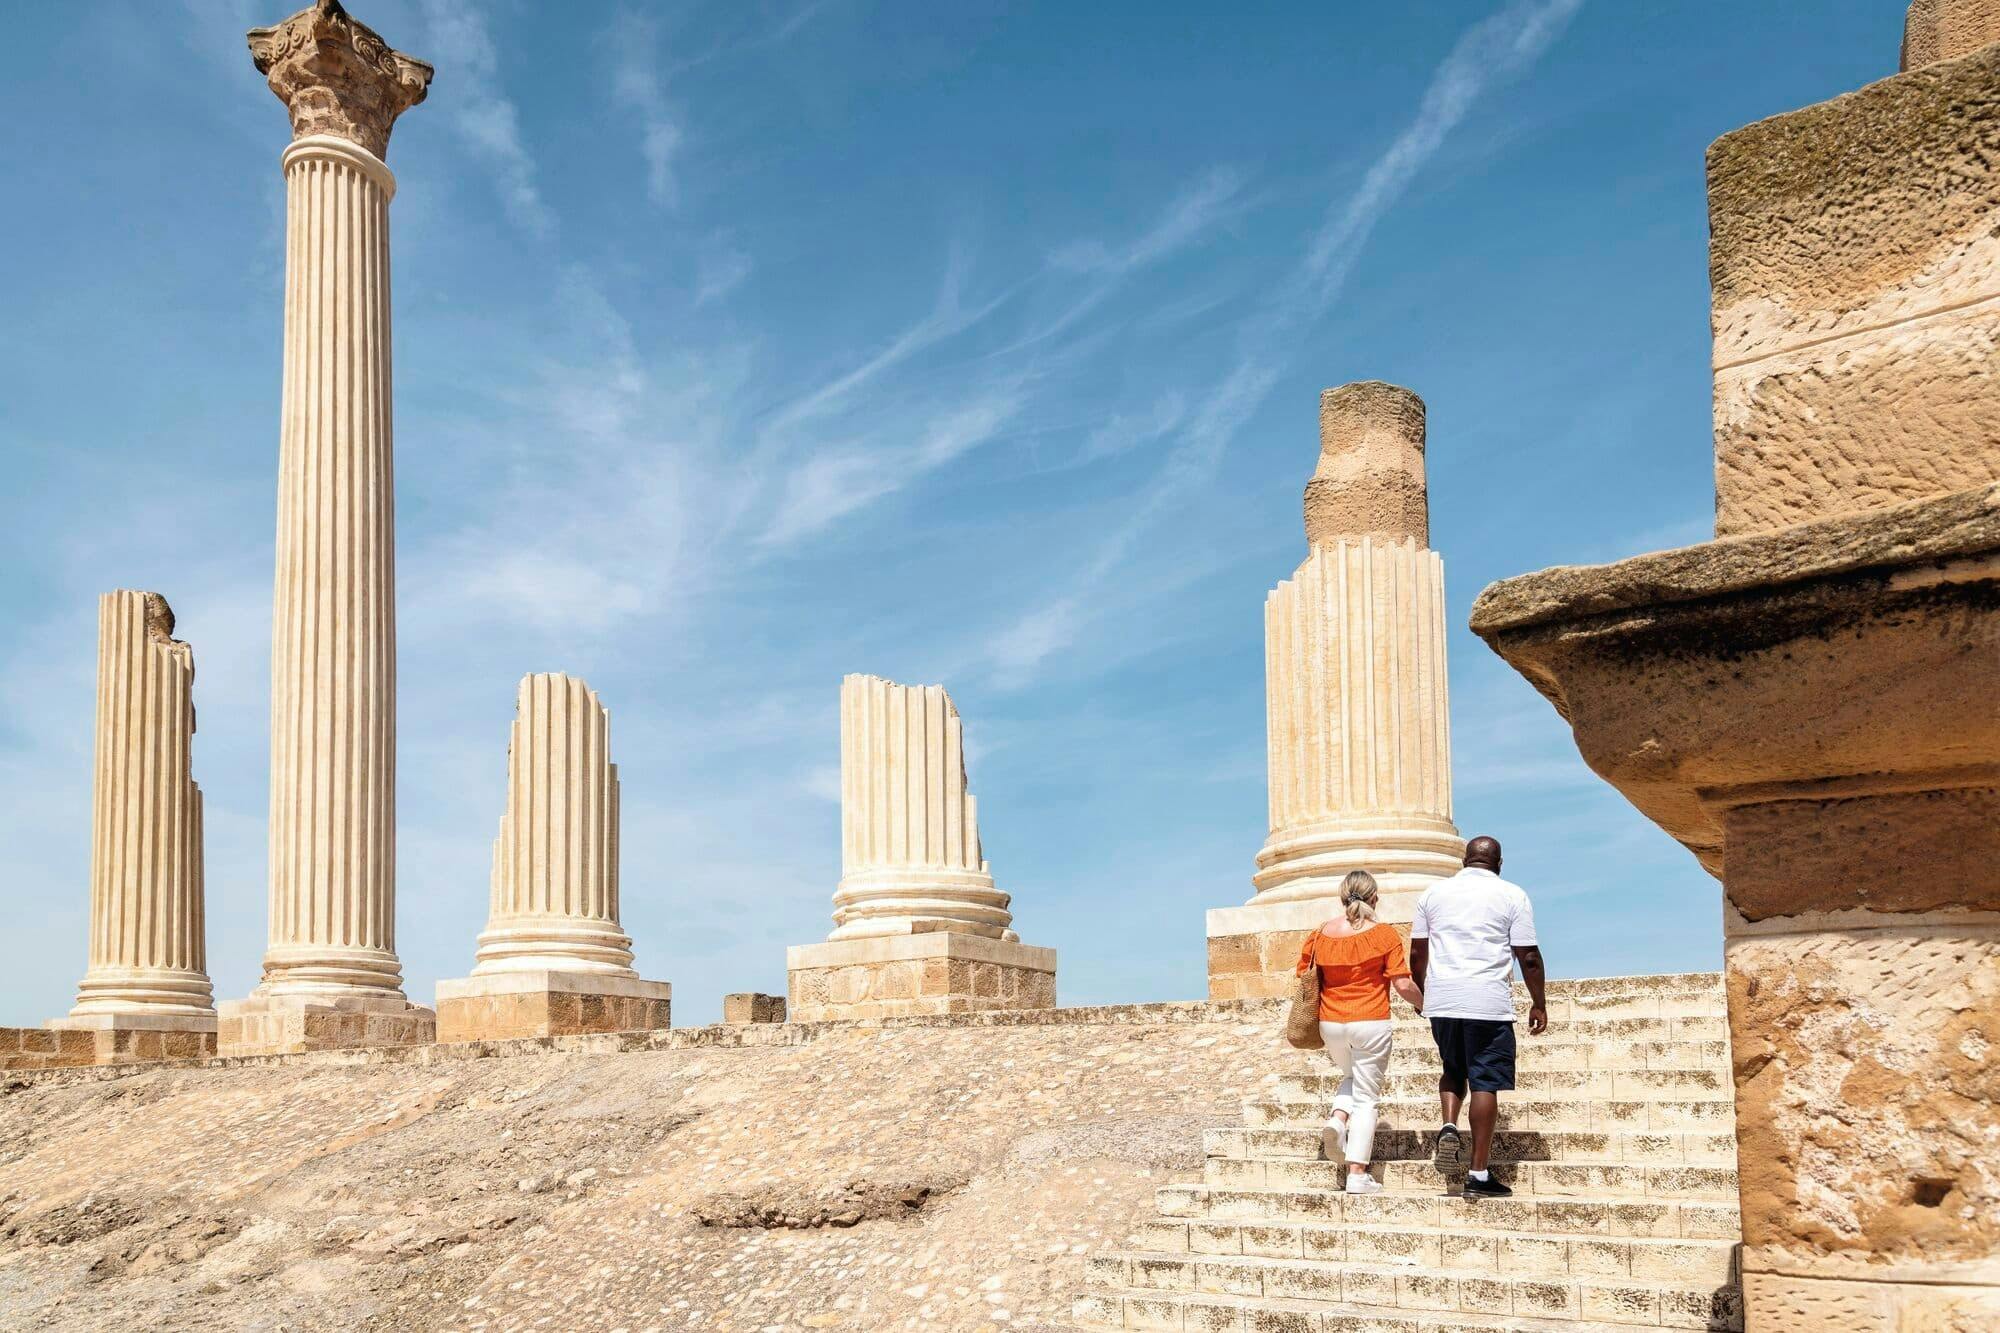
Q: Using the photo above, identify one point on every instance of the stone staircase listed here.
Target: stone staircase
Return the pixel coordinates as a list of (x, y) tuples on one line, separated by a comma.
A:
[(1619, 1143)]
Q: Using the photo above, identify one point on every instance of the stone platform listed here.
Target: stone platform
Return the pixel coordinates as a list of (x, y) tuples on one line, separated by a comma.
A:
[(937, 972), (69, 1043), (549, 1004), (289, 1024), (961, 1165)]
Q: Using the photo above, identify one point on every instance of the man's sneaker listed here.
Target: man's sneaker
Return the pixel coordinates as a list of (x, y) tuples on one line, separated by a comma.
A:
[(1360, 1182), (1489, 1188), (1448, 1153)]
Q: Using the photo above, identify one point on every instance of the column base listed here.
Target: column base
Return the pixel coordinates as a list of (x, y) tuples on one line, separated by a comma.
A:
[(499, 1005), (1253, 950), (108, 1039), (891, 976), (288, 1024)]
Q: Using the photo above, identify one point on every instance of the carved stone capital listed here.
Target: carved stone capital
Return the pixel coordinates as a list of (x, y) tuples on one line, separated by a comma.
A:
[(337, 76)]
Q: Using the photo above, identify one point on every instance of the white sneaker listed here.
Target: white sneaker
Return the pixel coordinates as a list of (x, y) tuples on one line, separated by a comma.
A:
[(1337, 1131), (1363, 1183)]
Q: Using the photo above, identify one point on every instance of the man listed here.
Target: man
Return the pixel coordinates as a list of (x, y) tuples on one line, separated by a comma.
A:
[(1469, 932)]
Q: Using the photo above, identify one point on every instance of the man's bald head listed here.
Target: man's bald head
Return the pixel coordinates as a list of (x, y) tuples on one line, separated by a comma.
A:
[(1483, 852)]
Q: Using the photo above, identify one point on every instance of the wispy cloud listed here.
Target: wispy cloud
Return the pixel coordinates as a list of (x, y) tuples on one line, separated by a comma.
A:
[(637, 87), (1496, 48), (829, 485), (482, 114), (1204, 204), (719, 270)]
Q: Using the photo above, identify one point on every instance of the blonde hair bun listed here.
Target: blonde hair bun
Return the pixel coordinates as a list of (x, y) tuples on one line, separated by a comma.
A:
[(1358, 893)]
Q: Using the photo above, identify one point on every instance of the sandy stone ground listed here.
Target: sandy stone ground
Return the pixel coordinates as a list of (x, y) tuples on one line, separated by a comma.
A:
[(874, 1178)]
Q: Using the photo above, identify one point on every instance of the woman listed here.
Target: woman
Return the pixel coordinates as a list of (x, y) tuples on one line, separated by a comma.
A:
[(1359, 960)]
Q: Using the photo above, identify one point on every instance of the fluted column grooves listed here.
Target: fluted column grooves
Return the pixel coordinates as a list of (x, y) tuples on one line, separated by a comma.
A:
[(911, 860), (148, 952), (1357, 708), (555, 861), (333, 654)]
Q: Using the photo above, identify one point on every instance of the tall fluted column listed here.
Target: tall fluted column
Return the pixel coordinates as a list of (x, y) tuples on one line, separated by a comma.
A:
[(554, 959), (910, 851), (1357, 715), (555, 862), (148, 952), (333, 631), (333, 651), (917, 925)]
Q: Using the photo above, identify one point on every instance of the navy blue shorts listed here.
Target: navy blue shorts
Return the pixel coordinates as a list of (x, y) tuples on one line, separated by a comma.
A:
[(1479, 1051)]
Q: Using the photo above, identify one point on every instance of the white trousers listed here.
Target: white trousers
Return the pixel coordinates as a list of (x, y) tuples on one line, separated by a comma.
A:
[(1362, 1052)]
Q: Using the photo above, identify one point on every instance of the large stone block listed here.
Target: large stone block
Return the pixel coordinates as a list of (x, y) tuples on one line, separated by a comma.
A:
[(1856, 276), (501, 1005), (754, 1007), (941, 972), (286, 1024)]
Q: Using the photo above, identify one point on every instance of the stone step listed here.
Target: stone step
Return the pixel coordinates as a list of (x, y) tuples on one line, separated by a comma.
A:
[(1711, 1115), (1612, 1300), (1420, 1052), (1239, 1314), (1665, 1216), (1454, 1249), (1572, 1179), (1620, 1085), (1409, 1030), (1508, 1146)]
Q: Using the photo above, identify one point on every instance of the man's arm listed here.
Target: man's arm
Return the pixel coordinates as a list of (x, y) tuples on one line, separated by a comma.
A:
[(1420, 960), (1529, 956)]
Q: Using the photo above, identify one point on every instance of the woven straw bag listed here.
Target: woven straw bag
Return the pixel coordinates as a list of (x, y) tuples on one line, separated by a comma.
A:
[(1302, 1023)]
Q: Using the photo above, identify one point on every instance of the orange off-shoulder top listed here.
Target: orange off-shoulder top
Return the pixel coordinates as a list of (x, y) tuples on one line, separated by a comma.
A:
[(1355, 972)]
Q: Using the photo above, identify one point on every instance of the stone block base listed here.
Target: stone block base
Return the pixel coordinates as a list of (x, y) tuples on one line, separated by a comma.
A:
[(940, 972), (753, 1007), (1253, 950), (133, 1038), (549, 1004), (289, 1024)]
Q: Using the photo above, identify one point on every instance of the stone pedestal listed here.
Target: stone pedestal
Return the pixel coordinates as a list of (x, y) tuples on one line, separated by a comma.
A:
[(549, 1004), (553, 959), (290, 1024), (1813, 706), (918, 925), (1357, 712), (146, 993), (333, 628), (942, 972)]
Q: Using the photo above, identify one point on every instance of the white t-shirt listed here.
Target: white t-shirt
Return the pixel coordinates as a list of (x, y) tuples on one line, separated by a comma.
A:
[(1474, 921)]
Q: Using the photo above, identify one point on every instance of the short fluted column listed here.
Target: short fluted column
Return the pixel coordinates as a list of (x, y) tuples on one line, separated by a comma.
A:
[(148, 956), (553, 959), (910, 853), (1357, 714), (332, 940), (918, 926), (555, 861)]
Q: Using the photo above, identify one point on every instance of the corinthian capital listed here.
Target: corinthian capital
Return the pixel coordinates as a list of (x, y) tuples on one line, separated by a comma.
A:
[(336, 76)]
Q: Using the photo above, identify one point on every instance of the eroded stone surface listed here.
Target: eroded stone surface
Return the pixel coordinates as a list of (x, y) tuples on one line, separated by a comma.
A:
[(1369, 480), (1936, 30), (1856, 278)]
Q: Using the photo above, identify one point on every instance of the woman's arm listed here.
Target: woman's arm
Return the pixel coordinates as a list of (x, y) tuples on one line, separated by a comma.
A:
[(1409, 991)]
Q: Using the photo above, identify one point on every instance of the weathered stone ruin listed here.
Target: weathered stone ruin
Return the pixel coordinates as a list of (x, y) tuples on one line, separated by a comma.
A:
[(918, 927), (1811, 702), (553, 959), (1357, 705)]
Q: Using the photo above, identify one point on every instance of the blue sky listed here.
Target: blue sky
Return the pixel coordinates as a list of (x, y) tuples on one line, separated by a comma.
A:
[(740, 346)]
